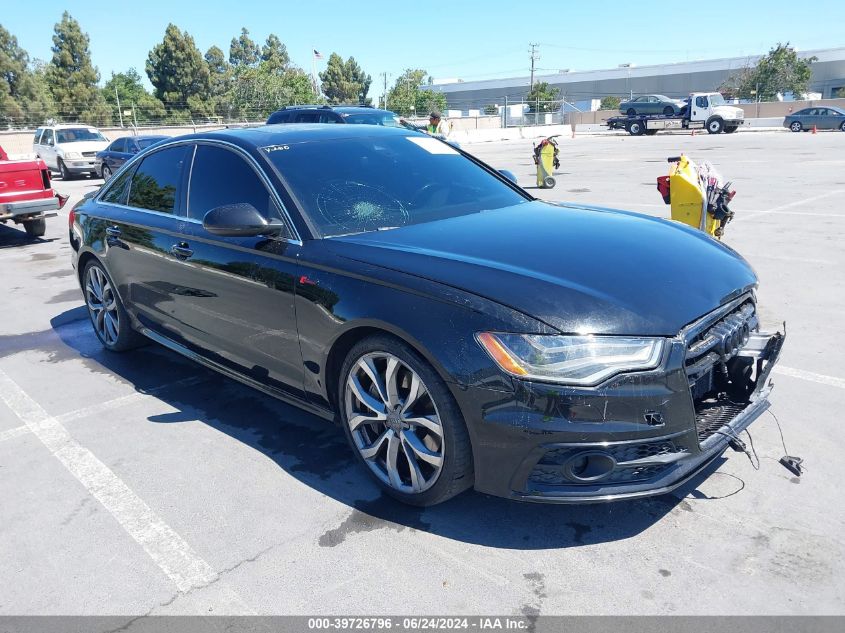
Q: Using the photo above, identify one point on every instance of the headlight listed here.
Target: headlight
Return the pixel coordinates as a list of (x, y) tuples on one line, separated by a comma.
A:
[(571, 360), (73, 155)]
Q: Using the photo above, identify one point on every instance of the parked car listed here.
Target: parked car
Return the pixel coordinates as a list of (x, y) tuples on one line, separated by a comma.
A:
[(462, 332), (69, 149), (822, 118), (26, 194), (334, 114), (122, 149), (651, 104)]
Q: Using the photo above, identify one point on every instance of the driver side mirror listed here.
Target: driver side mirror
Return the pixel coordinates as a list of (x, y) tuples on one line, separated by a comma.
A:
[(238, 220)]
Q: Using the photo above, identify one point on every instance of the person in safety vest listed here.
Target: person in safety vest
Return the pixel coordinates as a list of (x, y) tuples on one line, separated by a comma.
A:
[(436, 125)]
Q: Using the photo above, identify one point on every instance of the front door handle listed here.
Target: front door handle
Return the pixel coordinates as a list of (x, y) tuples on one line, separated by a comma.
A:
[(113, 231), (181, 250)]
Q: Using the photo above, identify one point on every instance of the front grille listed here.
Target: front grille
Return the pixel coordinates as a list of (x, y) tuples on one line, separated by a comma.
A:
[(710, 416), (709, 351), (89, 154)]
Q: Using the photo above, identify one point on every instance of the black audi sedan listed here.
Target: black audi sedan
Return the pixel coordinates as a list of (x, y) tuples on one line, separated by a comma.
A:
[(461, 332)]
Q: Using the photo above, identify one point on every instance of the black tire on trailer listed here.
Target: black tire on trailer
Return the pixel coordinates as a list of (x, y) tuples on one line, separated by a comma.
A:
[(631, 112), (650, 132), (715, 125), (635, 128), (668, 110), (35, 228), (730, 129)]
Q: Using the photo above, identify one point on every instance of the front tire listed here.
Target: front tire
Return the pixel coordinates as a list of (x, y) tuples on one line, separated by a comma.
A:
[(64, 171), (668, 110), (108, 316), (796, 126), (631, 112), (403, 423), (106, 172), (35, 228), (715, 125)]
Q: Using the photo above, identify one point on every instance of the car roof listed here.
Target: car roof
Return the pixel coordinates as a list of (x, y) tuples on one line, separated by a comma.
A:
[(266, 135), (339, 108), (62, 126), (143, 136)]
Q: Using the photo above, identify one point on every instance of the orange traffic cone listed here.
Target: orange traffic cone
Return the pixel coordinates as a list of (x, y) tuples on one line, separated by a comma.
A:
[(693, 131), (814, 129)]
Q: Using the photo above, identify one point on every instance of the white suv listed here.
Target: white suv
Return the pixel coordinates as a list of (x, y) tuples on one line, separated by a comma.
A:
[(69, 149)]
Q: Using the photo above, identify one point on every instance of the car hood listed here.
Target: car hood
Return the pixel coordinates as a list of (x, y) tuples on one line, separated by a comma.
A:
[(578, 269), (84, 146)]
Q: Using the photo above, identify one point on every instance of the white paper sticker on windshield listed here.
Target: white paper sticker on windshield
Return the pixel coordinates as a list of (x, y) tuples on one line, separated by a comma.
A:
[(432, 145)]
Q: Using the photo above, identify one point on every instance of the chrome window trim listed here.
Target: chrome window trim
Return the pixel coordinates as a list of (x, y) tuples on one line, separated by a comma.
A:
[(295, 239)]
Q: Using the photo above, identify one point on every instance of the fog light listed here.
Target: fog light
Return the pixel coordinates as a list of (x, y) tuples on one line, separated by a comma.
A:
[(589, 467)]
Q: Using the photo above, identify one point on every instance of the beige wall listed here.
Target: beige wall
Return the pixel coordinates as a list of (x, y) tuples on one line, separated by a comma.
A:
[(21, 142)]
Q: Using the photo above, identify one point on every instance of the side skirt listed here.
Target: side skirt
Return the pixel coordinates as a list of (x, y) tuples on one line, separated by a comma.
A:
[(202, 360)]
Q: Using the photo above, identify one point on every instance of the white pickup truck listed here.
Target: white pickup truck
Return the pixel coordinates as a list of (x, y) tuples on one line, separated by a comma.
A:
[(704, 111)]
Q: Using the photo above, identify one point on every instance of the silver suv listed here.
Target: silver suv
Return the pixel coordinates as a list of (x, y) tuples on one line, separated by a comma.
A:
[(70, 148)]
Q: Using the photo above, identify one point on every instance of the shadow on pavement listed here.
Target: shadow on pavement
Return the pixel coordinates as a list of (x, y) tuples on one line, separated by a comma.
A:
[(14, 235), (315, 452)]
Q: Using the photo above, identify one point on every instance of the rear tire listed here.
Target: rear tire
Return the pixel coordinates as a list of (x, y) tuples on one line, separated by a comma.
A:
[(109, 318), (730, 129), (650, 132), (635, 128), (795, 126), (35, 228), (842, 127), (410, 411), (631, 112)]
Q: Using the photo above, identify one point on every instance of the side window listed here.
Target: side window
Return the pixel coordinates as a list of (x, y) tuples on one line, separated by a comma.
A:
[(118, 188), (37, 136), (823, 112), (306, 116), (156, 181), (329, 117), (119, 145), (48, 138), (701, 102), (220, 177)]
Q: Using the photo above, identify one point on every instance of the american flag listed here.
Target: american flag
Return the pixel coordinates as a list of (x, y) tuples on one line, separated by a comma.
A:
[(317, 54)]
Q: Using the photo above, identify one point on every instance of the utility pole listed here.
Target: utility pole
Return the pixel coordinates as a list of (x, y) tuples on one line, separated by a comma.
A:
[(119, 111), (384, 76), (534, 56)]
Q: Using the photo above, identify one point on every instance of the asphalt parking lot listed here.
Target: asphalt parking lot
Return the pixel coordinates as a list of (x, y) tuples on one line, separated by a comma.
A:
[(140, 483)]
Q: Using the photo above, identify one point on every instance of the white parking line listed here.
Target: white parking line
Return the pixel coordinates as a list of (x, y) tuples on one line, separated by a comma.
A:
[(170, 551), (15, 432), (822, 379), (779, 209)]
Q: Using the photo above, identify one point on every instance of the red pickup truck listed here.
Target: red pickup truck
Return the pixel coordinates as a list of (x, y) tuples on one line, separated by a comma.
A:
[(26, 194)]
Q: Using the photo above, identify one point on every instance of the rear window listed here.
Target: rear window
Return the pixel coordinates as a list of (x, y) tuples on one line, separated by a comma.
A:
[(144, 143), (372, 118), (156, 181)]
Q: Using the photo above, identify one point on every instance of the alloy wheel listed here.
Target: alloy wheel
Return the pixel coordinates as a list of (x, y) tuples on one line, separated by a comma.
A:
[(394, 422), (102, 305)]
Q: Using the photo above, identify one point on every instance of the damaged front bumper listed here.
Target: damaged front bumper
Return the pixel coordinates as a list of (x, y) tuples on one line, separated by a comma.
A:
[(640, 435)]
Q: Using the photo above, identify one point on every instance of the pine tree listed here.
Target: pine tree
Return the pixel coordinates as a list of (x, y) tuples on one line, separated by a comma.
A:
[(243, 51), (275, 54), (179, 74), (72, 78), (344, 82), (129, 90)]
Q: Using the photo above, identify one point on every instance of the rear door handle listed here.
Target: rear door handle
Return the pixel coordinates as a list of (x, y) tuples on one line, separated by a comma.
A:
[(113, 231), (181, 250)]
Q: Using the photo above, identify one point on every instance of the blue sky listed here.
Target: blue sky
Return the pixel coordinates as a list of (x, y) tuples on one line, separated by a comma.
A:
[(456, 39)]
